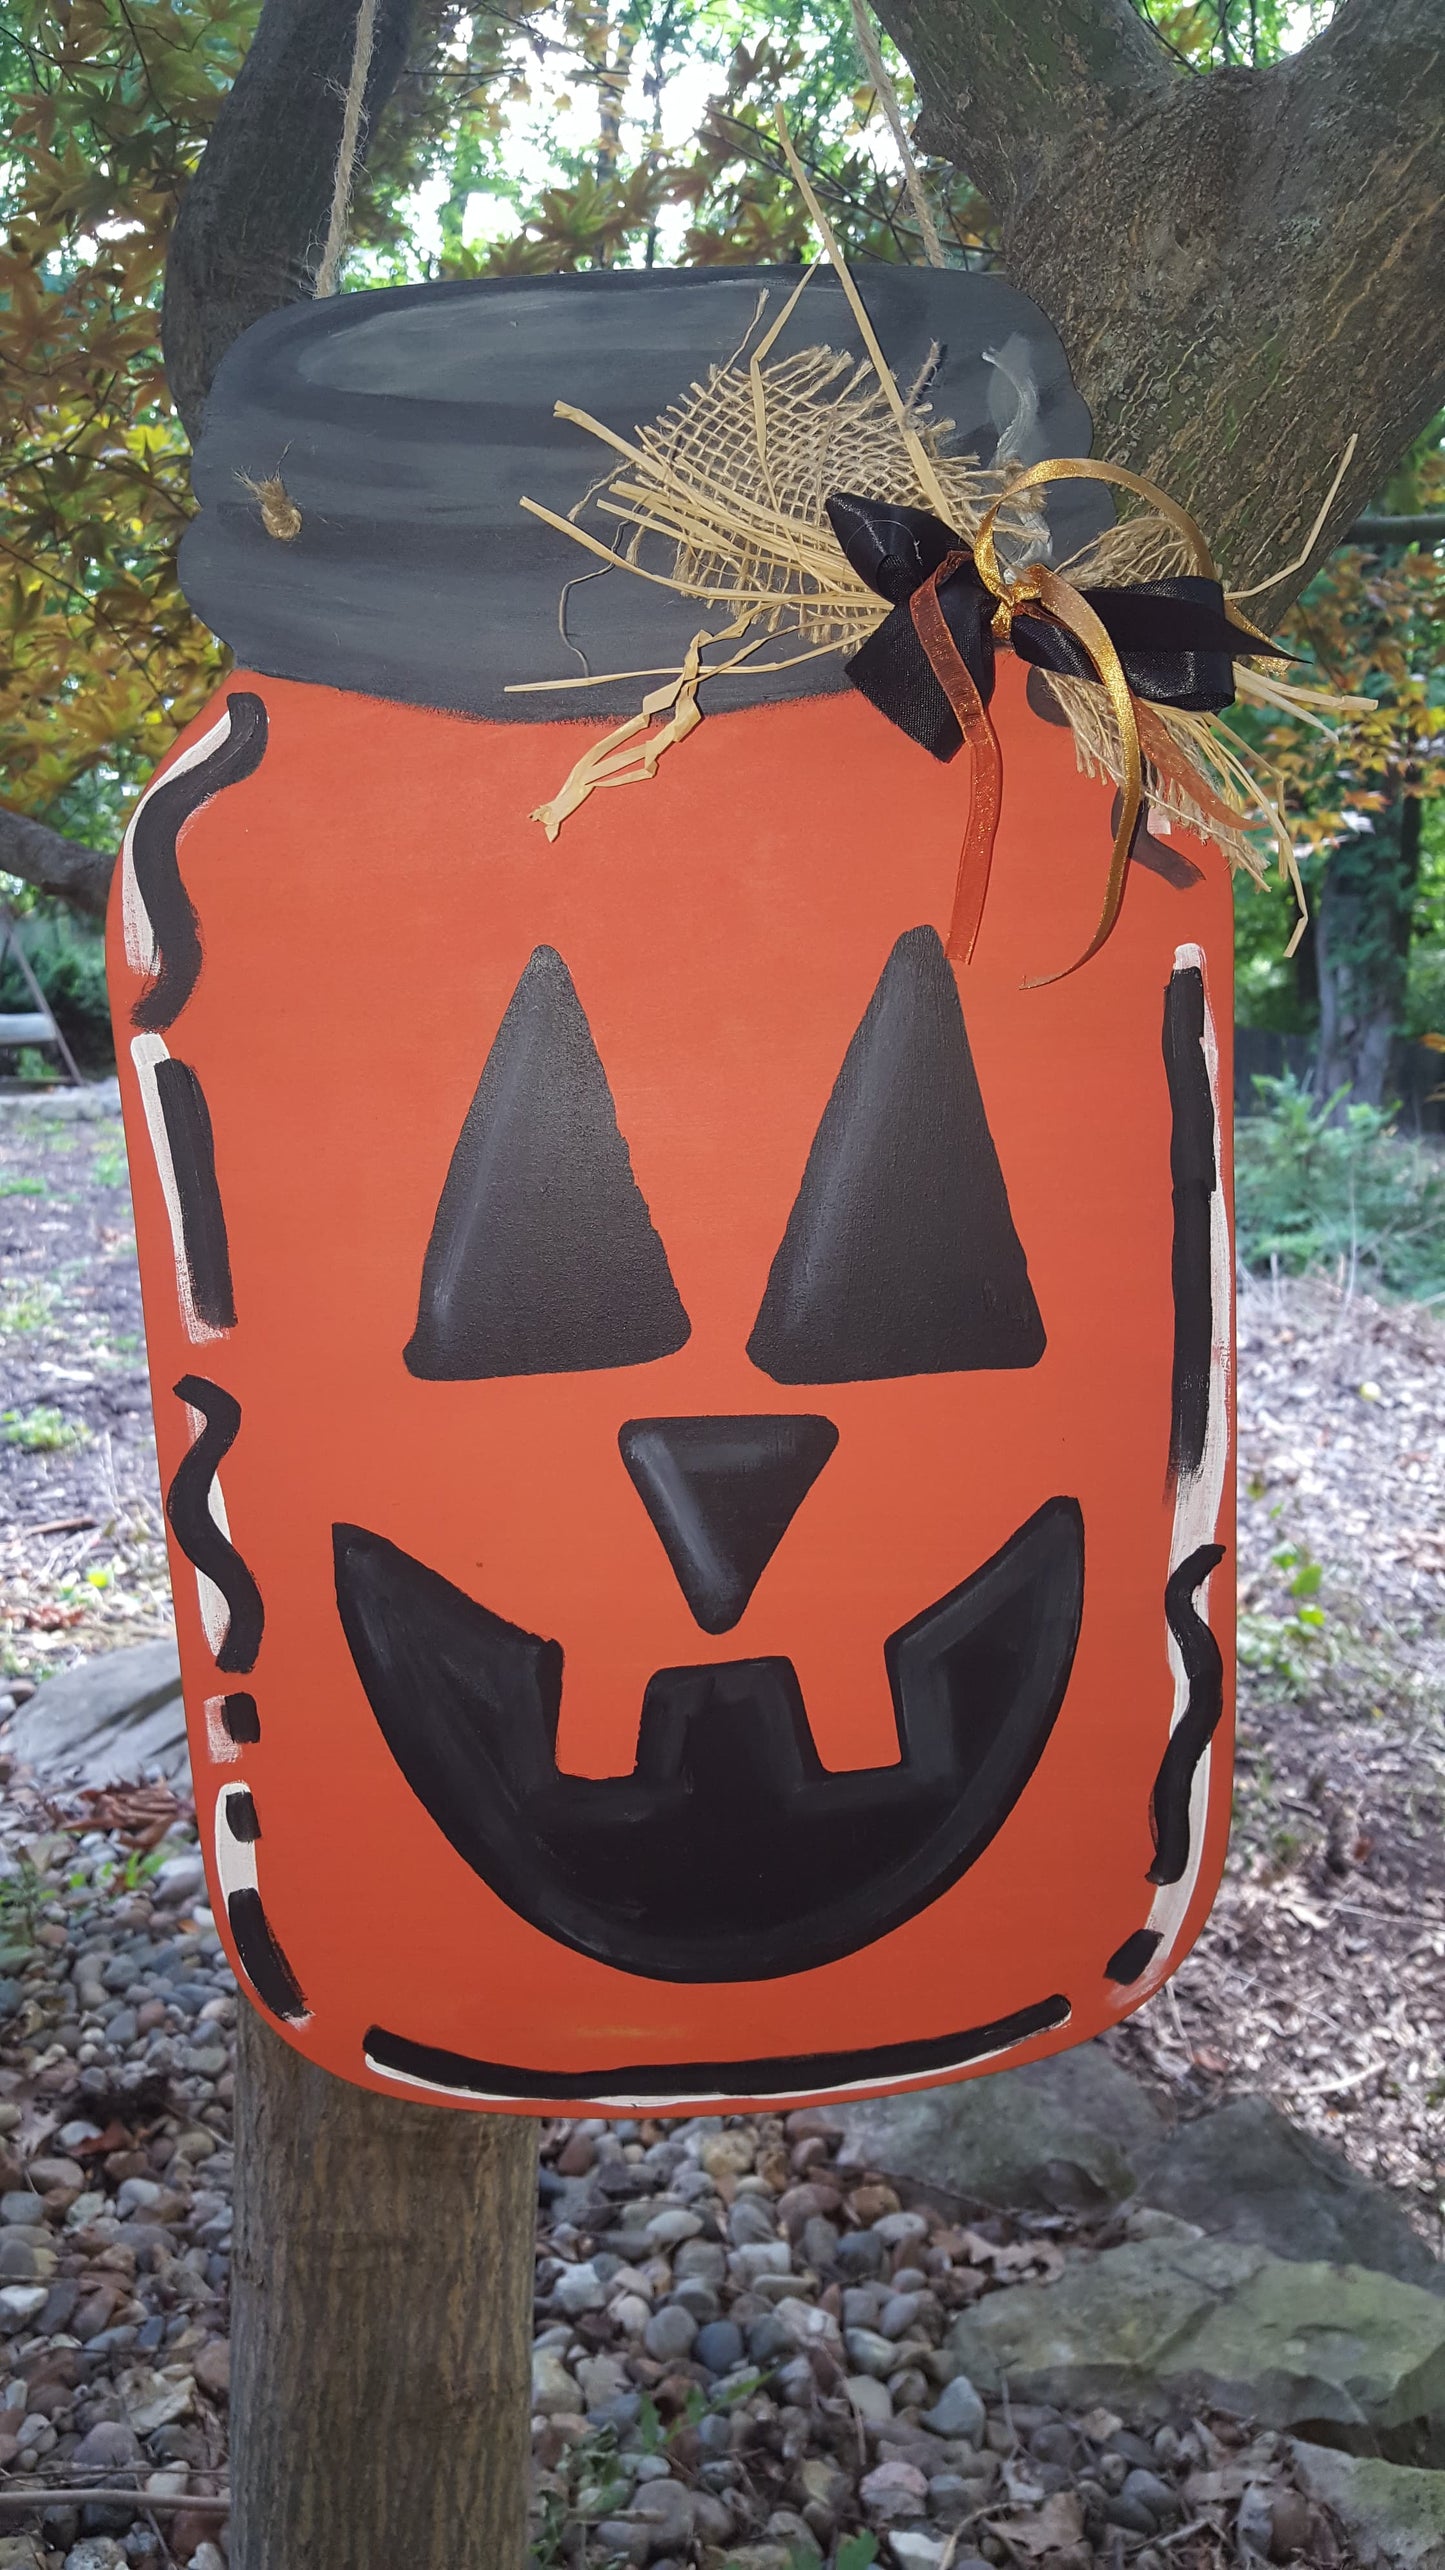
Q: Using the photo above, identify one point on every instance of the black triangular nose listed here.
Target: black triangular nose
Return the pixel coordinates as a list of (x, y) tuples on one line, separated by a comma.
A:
[(722, 1494)]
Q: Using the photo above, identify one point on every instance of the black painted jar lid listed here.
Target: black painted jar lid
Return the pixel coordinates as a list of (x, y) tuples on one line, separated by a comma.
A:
[(407, 424)]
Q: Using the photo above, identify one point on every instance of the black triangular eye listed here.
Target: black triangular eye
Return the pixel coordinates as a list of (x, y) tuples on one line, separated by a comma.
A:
[(542, 1258), (900, 1255)]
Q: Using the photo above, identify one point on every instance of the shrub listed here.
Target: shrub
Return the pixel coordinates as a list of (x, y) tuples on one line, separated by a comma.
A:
[(1318, 1182), (67, 958)]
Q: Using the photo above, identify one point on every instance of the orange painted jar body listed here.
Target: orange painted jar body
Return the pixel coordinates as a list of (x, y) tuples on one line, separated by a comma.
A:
[(696, 1431)]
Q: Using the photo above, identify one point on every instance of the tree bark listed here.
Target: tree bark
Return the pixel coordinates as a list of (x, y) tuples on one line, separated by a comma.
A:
[(1362, 952), (381, 2328), (43, 857), (251, 224), (1244, 265)]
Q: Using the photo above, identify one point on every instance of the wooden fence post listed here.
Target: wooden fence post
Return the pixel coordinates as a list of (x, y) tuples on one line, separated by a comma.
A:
[(381, 2326)]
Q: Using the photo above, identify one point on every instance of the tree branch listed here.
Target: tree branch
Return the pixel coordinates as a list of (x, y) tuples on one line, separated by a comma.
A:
[(1244, 265), (251, 224), (52, 863), (1009, 91), (1428, 528)]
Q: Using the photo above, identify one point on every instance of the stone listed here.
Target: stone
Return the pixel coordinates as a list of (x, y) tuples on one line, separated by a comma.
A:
[(698, 2298), (45, 2174), (705, 2259), (1149, 2492), (768, 2340), (807, 2324), (727, 2154), (603, 2379), (555, 2392), (19, 2303), (116, 1717), (719, 2346), (751, 2218), (1067, 2133), (892, 2491), (109, 2447), (952, 2497), (894, 2229), (579, 2289), (958, 2411), (213, 2368), (870, 2353), (915, 2549), (97, 2552), (870, 2398), (20, 2552), (1394, 2515), (1157, 2324), (157, 2399), (819, 2241), (631, 2314), (1245, 2172), (861, 2253), (760, 2258), (669, 2229), (669, 2334)]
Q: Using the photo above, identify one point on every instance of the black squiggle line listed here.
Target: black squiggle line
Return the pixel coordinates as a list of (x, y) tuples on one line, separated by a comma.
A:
[(1192, 1733), (187, 1121), (262, 1960), (1194, 1170), (168, 905), (188, 1506)]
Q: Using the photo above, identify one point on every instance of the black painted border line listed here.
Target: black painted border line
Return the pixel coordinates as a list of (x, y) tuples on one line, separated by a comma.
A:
[(686, 2083)]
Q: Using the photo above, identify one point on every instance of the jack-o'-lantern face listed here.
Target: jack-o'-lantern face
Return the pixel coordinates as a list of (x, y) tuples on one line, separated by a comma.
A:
[(722, 1416)]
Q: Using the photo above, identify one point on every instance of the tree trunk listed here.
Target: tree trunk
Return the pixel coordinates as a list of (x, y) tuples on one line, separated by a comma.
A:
[(382, 2289), (1363, 950), (1244, 266)]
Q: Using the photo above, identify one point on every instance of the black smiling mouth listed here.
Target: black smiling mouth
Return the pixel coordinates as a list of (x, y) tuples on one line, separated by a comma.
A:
[(730, 1853)]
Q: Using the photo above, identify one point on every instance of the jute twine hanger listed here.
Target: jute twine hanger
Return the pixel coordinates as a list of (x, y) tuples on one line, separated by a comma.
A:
[(280, 516)]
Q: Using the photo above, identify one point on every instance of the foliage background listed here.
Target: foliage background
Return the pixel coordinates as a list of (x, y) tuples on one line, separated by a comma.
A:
[(591, 131)]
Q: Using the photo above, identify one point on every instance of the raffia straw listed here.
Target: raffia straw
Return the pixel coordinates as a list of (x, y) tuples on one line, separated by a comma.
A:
[(346, 151), (878, 73), (1307, 548), (919, 456), (733, 480)]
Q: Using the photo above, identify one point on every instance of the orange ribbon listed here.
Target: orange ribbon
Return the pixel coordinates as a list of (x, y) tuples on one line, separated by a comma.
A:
[(1038, 588), (985, 784)]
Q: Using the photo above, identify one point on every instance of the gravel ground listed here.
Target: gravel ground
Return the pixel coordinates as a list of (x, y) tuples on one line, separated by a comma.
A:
[(82, 1553), (738, 2341), (1318, 1978)]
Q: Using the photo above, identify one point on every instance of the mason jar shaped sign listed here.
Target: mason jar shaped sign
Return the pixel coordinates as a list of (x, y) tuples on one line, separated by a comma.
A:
[(695, 1420)]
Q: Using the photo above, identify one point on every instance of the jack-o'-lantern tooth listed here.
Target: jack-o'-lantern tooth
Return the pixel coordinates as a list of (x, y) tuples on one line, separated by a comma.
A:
[(542, 1257), (900, 1255)]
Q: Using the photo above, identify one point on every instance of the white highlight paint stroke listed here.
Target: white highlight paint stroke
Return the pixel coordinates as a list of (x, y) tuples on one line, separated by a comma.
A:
[(146, 1051)]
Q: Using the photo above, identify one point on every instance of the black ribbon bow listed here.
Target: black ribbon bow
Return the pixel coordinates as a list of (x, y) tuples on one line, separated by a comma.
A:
[(1175, 639)]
